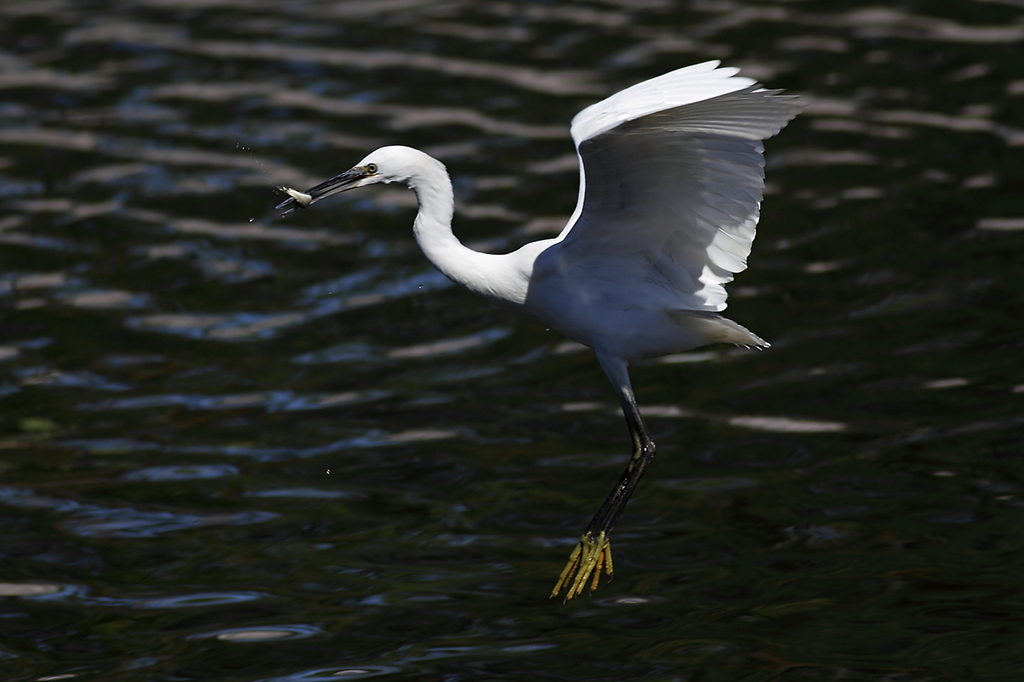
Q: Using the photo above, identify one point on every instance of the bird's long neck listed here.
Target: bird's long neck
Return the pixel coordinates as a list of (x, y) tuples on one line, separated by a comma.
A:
[(493, 276)]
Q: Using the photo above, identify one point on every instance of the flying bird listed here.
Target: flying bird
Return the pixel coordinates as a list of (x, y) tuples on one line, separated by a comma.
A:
[(671, 180)]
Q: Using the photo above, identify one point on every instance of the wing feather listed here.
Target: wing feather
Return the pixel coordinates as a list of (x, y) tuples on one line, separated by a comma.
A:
[(671, 180)]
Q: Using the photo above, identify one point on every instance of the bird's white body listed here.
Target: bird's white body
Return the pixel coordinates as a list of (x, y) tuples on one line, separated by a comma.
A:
[(616, 311), (671, 178), (670, 189)]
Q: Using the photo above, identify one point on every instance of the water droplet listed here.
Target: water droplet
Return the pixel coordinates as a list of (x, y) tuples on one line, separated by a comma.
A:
[(252, 220), (328, 472)]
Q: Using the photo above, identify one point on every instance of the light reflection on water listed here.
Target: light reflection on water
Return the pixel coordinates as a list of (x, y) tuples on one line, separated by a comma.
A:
[(222, 431)]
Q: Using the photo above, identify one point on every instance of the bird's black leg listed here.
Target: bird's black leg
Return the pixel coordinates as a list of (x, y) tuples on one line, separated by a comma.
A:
[(643, 455), (593, 553)]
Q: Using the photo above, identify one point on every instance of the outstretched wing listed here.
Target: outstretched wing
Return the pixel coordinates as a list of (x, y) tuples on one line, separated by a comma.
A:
[(671, 179)]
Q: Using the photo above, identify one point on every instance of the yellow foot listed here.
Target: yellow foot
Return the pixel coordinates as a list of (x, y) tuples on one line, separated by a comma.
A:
[(592, 555)]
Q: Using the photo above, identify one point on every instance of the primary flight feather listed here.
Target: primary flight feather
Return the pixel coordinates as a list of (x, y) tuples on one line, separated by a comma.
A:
[(671, 179)]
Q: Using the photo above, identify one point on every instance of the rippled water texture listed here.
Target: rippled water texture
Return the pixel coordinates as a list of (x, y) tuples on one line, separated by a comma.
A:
[(235, 448)]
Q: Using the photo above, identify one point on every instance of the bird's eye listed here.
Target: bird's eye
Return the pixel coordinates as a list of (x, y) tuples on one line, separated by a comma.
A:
[(371, 168)]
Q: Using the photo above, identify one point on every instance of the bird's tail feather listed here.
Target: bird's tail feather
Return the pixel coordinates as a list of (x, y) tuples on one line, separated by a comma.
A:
[(713, 328)]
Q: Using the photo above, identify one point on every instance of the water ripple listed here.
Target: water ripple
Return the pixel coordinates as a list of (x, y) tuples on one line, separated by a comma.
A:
[(271, 401), (400, 117), (133, 523), (202, 599), (227, 266), (373, 438), (54, 378), (47, 591), (246, 327), (699, 485), (181, 473), (236, 327), (449, 346), (90, 520), (149, 36), (262, 633), (354, 351), (79, 141), (109, 446), (755, 453), (335, 674), (310, 494)]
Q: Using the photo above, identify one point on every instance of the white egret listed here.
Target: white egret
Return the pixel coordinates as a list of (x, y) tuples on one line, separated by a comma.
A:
[(671, 179)]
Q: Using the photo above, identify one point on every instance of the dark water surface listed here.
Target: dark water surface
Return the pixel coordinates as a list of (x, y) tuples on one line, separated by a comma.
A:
[(179, 372)]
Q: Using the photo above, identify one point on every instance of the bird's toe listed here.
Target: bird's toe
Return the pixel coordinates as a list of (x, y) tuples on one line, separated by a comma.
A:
[(590, 557)]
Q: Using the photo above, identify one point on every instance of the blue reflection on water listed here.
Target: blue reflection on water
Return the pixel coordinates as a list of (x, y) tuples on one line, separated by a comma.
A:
[(52, 378), (310, 494), (272, 401), (186, 601), (333, 674), (262, 633), (89, 520), (181, 473)]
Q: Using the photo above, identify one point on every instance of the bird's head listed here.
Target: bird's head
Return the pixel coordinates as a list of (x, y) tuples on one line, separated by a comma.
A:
[(387, 164)]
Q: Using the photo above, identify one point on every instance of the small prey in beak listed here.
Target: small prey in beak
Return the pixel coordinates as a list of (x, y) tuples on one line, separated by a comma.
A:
[(301, 198), (339, 183)]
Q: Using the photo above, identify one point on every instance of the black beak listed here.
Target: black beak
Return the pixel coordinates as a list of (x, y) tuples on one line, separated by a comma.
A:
[(339, 183)]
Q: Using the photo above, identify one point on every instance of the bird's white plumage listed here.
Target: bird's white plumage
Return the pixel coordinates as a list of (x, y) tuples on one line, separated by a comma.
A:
[(667, 91), (671, 178), (673, 89)]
